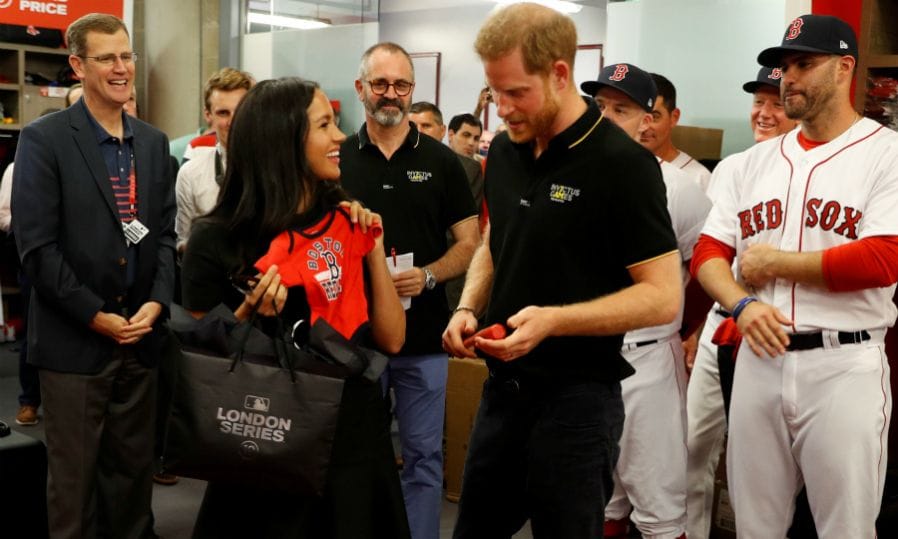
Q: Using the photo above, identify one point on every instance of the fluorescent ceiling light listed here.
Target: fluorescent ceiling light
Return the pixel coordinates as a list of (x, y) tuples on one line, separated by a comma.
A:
[(558, 5), (300, 23)]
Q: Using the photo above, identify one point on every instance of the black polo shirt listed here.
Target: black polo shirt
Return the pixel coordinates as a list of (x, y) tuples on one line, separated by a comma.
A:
[(420, 192), (564, 229)]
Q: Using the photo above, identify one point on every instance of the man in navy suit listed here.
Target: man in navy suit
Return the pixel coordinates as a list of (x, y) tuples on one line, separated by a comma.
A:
[(94, 205)]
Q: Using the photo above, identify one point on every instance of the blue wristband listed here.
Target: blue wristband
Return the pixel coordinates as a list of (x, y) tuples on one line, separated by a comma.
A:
[(741, 305)]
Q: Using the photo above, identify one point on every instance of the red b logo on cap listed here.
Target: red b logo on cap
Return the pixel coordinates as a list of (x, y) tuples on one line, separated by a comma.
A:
[(620, 72), (795, 29), (775, 74)]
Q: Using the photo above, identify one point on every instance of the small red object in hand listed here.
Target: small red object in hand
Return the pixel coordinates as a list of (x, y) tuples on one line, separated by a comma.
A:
[(494, 332)]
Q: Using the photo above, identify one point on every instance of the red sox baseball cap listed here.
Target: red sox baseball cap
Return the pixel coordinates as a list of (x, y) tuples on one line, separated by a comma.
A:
[(629, 79), (815, 34), (767, 76)]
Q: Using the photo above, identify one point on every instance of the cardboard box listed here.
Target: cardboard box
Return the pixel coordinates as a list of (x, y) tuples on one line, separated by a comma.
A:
[(463, 389), (699, 142)]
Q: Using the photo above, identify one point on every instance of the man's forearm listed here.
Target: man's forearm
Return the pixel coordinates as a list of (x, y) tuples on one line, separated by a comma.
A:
[(457, 258), (653, 300), (805, 268), (185, 212), (761, 263), (478, 281), (183, 220), (716, 277)]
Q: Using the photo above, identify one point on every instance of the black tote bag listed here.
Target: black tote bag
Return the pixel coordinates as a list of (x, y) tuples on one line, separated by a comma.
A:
[(251, 409)]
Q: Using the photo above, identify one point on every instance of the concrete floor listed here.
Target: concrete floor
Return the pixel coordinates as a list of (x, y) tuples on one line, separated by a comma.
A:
[(175, 507)]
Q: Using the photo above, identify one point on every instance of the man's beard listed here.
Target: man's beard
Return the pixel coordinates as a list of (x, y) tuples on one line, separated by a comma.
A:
[(812, 100), (541, 122), (384, 117)]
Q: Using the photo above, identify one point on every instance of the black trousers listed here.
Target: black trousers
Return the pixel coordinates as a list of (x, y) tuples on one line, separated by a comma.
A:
[(99, 431), (544, 452)]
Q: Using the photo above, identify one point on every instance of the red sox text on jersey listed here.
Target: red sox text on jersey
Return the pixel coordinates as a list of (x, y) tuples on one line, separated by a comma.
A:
[(829, 215)]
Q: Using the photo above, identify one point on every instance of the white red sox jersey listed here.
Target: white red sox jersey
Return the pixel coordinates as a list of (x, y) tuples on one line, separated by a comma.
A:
[(688, 164), (722, 175), (688, 207), (653, 432), (721, 181), (802, 201)]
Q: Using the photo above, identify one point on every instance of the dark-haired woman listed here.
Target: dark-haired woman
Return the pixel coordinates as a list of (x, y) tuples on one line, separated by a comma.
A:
[(283, 163)]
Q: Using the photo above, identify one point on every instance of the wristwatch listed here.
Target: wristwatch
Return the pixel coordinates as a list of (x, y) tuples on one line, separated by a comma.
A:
[(429, 280)]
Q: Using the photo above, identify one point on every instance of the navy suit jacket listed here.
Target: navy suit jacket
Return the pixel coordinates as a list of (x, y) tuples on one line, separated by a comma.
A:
[(70, 240)]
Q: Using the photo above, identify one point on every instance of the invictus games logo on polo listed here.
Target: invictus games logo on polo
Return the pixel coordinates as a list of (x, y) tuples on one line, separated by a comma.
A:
[(255, 424), (562, 193), (418, 176)]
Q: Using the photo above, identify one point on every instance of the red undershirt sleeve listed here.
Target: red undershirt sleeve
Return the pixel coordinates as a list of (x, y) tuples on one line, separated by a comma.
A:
[(707, 248), (867, 263)]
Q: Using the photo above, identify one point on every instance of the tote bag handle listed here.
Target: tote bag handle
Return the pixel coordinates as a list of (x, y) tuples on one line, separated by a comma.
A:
[(285, 361)]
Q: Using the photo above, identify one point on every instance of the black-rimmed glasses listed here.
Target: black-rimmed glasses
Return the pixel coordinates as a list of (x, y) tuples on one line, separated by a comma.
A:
[(401, 87), (109, 59)]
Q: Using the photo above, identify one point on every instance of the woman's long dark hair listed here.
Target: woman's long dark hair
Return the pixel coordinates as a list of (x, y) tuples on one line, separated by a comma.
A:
[(267, 173)]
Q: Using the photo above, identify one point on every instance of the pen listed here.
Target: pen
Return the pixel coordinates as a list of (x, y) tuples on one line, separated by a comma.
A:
[(393, 254)]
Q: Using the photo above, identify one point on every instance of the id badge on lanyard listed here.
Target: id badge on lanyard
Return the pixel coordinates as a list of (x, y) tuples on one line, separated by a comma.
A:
[(134, 230)]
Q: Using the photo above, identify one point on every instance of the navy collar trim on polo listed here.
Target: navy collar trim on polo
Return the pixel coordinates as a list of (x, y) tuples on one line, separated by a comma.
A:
[(411, 139), (101, 133)]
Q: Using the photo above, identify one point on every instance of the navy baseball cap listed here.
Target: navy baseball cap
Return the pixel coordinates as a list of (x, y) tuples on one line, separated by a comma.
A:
[(767, 76), (629, 79), (815, 34)]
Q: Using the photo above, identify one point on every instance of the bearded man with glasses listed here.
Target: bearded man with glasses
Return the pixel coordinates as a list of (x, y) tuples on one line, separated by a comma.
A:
[(420, 189)]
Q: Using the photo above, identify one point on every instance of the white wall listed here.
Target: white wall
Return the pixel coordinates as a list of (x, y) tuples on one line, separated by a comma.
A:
[(452, 32), (256, 57), (707, 48), (172, 65), (329, 56), (796, 8)]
